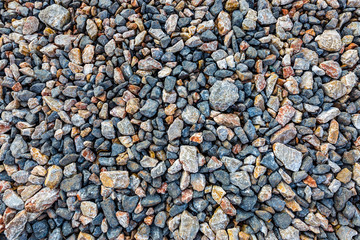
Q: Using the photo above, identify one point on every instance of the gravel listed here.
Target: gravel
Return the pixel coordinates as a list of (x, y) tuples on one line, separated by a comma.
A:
[(215, 119)]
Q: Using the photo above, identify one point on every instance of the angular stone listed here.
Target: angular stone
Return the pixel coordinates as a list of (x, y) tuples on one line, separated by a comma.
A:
[(231, 164), (350, 58), (42, 200), (89, 209), (285, 134), (189, 226), (240, 179), (219, 220), (55, 16), (12, 200), (223, 94), (228, 120), (175, 129), (291, 158), (290, 233), (190, 115), (265, 17), (31, 25), (329, 40), (345, 233), (16, 226), (331, 68), (115, 179), (40, 158), (171, 22), (223, 23), (285, 114), (123, 218), (54, 176), (328, 115), (189, 158)]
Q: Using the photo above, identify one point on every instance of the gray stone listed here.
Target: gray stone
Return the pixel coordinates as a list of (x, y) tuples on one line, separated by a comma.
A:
[(55, 16), (189, 226), (223, 94), (189, 158), (290, 157), (240, 179)]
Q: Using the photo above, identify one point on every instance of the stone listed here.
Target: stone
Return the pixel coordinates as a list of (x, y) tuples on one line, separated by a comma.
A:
[(12, 200), (223, 23), (107, 129), (175, 129), (123, 218), (89, 209), (16, 226), (223, 95), (350, 58), (115, 179), (189, 158), (42, 200), (265, 17), (190, 115), (53, 177), (219, 220), (149, 64), (290, 233), (328, 115), (329, 40), (240, 179), (291, 158), (91, 29), (189, 226), (125, 127), (285, 114), (228, 120), (55, 16), (284, 135), (150, 108), (345, 232), (171, 22), (331, 68), (31, 25)]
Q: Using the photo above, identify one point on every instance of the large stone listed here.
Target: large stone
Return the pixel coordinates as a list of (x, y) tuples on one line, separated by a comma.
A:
[(115, 179), (219, 220), (54, 176), (189, 226), (42, 200), (265, 17), (223, 23), (328, 115), (55, 16), (16, 226), (350, 57), (285, 134), (346, 233), (290, 157), (175, 129), (189, 158), (331, 68), (330, 40), (223, 94), (240, 179), (12, 200)]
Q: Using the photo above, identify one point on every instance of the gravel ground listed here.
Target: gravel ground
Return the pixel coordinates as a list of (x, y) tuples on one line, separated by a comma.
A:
[(173, 119)]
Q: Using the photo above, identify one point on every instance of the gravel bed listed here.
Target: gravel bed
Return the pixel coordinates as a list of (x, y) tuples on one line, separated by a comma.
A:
[(179, 119)]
